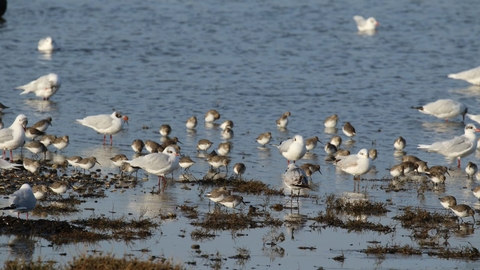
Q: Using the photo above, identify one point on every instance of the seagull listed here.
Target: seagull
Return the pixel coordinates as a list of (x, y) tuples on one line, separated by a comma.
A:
[(458, 147), (44, 87), (365, 25), (5, 165), (105, 124), (47, 45), (158, 163), (472, 76), (295, 178), (293, 149), (14, 136), (22, 200), (444, 109), (355, 165)]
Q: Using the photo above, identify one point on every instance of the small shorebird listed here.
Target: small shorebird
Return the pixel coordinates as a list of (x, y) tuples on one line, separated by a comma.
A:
[(61, 142), (471, 169), (224, 148), (331, 121), (204, 145), (211, 116), (43, 124), (463, 210), (282, 122), (165, 130), (231, 201), (349, 130), (191, 122), (137, 146), (264, 138), (186, 162), (239, 169), (311, 143), (399, 144)]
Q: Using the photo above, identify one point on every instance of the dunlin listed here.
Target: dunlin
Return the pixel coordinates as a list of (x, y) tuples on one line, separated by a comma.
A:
[(310, 169), (231, 201), (14, 136), (218, 161), (31, 165), (59, 187), (211, 116), (411, 158), (448, 201), (87, 163), (239, 169), (218, 194), (444, 109), (349, 130), (170, 141), (33, 133), (186, 162), (39, 191), (227, 133), (36, 148), (330, 149), (204, 145), (471, 169), (226, 124), (118, 160), (43, 124), (437, 178), (165, 130), (61, 142), (311, 143), (73, 161), (43, 87), (372, 153), (47, 139), (476, 192), (331, 121), (457, 147), (22, 200), (282, 122), (137, 146), (105, 124), (264, 138), (336, 140), (399, 144), (463, 210), (191, 122), (224, 148), (152, 146)]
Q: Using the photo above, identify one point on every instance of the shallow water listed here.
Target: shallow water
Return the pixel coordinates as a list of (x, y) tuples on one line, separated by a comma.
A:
[(162, 62)]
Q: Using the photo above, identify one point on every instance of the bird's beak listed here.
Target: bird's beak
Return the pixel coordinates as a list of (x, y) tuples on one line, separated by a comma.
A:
[(477, 130), (125, 119)]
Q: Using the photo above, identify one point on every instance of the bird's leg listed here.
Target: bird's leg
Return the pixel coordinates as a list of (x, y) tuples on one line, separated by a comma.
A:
[(111, 139), (104, 138), (11, 156), (459, 163)]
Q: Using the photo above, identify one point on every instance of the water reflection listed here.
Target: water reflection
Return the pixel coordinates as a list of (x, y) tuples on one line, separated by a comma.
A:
[(103, 153), (21, 247), (443, 127), (472, 91), (41, 105)]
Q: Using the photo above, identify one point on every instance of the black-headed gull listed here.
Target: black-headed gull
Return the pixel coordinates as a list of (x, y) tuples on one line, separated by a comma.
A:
[(14, 136), (44, 87), (356, 165), (158, 163), (472, 76), (295, 178), (282, 122), (458, 147), (211, 116), (293, 149), (47, 45), (5, 165), (105, 124), (444, 109), (264, 138), (365, 24), (22, 200)]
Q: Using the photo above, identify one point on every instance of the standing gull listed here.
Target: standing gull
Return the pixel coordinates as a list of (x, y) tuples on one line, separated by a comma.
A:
[(295, 179), (458, 147), (22, 200), (44, 87), (355, 165), (105, 124), (472, 76), (293, 149), (444, 109), (365, 24), (14, 136)]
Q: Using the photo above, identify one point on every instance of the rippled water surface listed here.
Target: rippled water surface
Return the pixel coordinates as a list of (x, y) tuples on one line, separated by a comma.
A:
[(160, 62)]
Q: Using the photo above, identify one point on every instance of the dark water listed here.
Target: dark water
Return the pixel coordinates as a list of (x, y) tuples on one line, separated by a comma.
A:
[(161, 62)]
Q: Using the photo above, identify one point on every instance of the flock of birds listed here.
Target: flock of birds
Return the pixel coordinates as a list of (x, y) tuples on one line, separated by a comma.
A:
[(165, 158)]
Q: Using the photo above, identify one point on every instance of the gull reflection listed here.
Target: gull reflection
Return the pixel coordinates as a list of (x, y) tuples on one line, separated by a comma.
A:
[(41, 105), (21, 247)]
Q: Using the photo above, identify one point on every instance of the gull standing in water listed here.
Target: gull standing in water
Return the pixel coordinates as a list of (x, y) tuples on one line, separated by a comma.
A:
[(14, 136), (105, 124), (44, 87), (22, 200), (444, 109), (293, 149), (472, 76), (363, 24), (355, 165), (158, 163), (458, 147), (295, 179)]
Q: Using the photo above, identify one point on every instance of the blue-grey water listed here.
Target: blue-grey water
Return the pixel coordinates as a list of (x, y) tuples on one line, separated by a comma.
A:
[(160, 62)]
